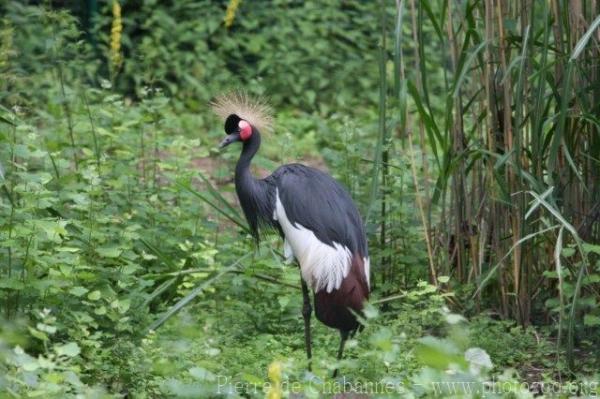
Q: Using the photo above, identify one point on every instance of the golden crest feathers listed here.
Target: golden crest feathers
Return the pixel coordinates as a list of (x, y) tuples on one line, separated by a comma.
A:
[(254, 110)]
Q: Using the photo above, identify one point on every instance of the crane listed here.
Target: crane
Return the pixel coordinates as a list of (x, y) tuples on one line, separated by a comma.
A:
[(320, 224)]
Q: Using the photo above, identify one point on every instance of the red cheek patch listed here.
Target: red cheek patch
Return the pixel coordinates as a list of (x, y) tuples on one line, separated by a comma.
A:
[(245, 130)]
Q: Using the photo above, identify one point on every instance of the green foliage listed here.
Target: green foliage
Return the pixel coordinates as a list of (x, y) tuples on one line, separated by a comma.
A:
[(512, 345), (508, 137), (91, 234), (298, 53), (54, 373), (126, 269)]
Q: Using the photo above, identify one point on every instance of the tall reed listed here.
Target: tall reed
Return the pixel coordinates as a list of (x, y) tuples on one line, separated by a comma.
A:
[(513, 123)]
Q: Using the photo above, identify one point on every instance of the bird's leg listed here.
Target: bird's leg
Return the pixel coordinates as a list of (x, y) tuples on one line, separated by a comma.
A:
[(306, 312), (343, 338)]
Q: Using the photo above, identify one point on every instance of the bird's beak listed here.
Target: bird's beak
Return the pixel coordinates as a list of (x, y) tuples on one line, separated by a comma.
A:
[(230, 138)]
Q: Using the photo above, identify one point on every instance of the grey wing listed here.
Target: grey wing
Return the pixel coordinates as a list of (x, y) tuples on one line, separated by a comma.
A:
[(315, 200)]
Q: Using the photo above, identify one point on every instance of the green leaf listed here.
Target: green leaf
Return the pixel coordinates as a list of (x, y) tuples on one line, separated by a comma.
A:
[(252, 379), (478, 359), (30, 365), (71, 349), (585, 38), (68, 249), (382, 339), (109, 251), (122, 305), (94, 295), (443, 279), (45, 328), (588, 248), (78, 291), (283, 301), (100, 311), (568, 252), (438, 353), (11, 284), (201, 374), (453, 318), (212, 352), (591, 320), (38, 334)]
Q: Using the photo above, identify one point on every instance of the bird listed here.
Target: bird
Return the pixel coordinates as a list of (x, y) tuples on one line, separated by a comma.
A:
[(314, 214)]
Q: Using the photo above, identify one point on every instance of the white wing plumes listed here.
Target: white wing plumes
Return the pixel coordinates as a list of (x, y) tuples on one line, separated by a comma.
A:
[(323, 266), (254, 110)]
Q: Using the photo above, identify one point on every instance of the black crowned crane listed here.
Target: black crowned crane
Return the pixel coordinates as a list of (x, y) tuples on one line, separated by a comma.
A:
[(312, 212)]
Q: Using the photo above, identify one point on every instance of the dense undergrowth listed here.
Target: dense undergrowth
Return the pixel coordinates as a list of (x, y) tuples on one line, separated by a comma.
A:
[(126, 269)]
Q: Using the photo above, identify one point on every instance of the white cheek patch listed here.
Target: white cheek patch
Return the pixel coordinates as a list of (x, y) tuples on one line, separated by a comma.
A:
[(323, 266)]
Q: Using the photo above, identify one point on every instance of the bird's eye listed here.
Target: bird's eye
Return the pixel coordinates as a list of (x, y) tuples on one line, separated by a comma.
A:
[(245, 130)]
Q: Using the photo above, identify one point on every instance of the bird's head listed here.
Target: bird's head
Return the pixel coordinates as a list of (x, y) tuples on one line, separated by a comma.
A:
[(237, 129), (243, 116)]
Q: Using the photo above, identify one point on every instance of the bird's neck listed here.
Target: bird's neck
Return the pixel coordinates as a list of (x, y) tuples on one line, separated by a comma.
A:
[(252, 193), (243, 176)]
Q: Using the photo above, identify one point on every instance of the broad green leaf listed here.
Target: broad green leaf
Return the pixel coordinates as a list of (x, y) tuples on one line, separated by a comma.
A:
[(12, 284), (71, 349), (94, 295), (591, 320), (78, 291), (109, 251)]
